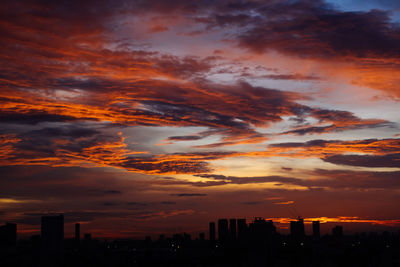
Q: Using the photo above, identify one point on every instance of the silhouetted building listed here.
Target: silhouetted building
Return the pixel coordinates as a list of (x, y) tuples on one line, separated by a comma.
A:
[(297, 229), (337, 231), (147, 239), (241, 229), (212, 231), (178, 238), (8, 234), (88, 237), (232, 228), (187, 237), (202, 236), (223, 232), (316, 230), (261, 230), (77, 233), (52, 233)]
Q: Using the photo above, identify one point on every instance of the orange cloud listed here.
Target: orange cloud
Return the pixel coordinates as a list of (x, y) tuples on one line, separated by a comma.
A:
[(284, 202), (322, 148), (339, 219)]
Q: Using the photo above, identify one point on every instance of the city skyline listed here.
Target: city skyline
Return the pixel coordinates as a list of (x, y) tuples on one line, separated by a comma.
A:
[(221, 229), (140, 117), (52, 231), (257, 243)]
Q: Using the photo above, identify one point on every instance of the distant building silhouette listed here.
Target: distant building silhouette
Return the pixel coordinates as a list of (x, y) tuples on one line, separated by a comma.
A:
[(297, 229), (187, 237), (212, 231), (241, 229), (223, 232), (202, 236), (261, 230), (8, 234), (52, 233), (232, 229), (88, 237), (337, 231), (77, 233), (178, 238), (316, 229)]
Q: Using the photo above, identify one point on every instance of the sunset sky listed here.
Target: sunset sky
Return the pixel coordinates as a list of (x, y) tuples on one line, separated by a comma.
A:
[(153, 116)]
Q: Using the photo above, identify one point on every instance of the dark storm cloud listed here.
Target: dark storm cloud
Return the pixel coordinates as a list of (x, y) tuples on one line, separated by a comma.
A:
[(315, 29), (331, 179), (341, 179), (390, 160), (152, 165), (297, 77), (339, 121), (50, 141), (185, 138), (43, 182), (67, 131), (34, 118), (375, 146)]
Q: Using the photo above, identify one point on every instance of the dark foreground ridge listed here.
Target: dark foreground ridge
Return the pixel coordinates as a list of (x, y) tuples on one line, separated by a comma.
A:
[(237, 244)]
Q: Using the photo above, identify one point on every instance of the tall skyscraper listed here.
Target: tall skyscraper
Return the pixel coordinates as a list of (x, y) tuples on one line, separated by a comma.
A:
[(8, 234), (223, 232), (52, 233), (293, 228), (232, 228), (241, 229), (212, 231), (261, 230), (77, 233), (297, 229), (301, 227), (315, 227)]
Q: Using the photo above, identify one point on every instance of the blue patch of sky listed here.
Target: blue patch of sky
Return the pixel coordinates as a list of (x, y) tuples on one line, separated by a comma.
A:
[(393, 6)]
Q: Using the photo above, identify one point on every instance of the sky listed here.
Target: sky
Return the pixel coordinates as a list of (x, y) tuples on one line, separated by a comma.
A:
[(144, 117)]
